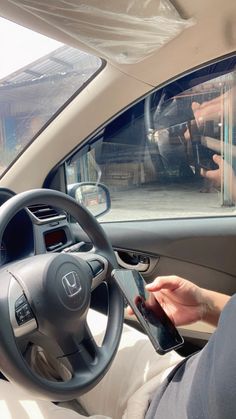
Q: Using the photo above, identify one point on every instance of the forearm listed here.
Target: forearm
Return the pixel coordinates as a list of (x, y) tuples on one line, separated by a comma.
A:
[(214, 303)]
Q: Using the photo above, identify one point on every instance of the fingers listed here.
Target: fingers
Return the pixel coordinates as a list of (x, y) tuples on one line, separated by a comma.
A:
[(214, 175), (170, 282), (129, 311), (196, 108), (217, 159), (206, 110), (187, 135), (208, 173)]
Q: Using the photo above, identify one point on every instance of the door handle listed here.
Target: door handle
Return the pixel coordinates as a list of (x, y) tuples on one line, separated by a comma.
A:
[(129, 260)]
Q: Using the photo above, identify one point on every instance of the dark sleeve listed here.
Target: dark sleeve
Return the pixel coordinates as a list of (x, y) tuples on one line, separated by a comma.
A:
[(204, 386)]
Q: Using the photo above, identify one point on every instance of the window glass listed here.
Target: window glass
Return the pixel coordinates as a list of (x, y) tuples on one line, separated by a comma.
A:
[(172, 154), (37, 76)]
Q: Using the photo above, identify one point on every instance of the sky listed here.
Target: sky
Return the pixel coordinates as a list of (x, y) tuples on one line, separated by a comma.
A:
[(20, 46)]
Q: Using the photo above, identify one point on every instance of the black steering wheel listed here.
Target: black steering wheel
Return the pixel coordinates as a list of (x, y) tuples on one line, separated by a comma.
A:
[(45, 298)]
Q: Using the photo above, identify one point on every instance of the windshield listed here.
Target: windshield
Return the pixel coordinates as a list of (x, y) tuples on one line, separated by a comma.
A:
[(37, 77)]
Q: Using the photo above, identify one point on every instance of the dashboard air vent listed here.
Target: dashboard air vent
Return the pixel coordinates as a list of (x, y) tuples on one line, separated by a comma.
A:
[(44, 213)]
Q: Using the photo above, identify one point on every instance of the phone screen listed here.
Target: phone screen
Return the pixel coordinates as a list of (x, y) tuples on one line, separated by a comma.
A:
[(160, 329)]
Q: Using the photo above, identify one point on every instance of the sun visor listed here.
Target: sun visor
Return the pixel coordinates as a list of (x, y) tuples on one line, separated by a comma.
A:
[(124, 31)]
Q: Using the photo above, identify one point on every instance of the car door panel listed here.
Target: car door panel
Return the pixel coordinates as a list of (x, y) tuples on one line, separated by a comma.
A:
[(208, 242), (201, 250)]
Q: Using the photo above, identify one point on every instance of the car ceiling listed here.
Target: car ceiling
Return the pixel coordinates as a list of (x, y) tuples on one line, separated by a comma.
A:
[(187, 50)]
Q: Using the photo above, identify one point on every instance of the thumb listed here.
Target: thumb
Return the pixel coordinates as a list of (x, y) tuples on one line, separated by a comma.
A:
[(170, 282), (211, 174), (195, 106), (197, 111), (217, 159)]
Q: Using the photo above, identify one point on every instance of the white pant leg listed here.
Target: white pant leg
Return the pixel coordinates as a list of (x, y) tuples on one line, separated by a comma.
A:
[(134, 375), (16, 403), (124, 391)]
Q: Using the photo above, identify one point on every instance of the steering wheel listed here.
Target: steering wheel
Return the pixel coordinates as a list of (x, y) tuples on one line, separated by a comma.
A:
[(45, 298)]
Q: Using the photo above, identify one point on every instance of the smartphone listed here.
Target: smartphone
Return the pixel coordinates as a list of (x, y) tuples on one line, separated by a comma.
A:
[(202, 154), (161, 331), (205, 158)]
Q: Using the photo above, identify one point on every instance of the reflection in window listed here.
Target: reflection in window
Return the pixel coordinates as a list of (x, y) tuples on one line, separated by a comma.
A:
[(161, 157)]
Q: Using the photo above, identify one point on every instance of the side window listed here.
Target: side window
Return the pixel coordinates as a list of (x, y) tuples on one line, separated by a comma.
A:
[(170, 155)]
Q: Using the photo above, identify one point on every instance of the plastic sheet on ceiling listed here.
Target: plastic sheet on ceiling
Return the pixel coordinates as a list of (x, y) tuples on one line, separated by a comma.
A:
[(124, 31)]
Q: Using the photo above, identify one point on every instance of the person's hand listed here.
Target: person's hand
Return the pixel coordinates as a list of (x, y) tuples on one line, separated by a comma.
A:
[(217, 174), (207, 111), (182, 300), (214, 175)]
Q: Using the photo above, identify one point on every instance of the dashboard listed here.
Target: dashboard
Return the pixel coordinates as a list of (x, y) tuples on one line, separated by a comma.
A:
[(26, 236)]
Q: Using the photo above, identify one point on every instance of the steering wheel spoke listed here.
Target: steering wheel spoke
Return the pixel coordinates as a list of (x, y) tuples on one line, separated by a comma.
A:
[(90, 346), (22, 318), (82, 356), (98, 266)]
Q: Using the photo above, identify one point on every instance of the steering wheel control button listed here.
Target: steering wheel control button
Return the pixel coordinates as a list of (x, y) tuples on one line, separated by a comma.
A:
[(96, 266), (23, 311), (24, 314), (20, 301)]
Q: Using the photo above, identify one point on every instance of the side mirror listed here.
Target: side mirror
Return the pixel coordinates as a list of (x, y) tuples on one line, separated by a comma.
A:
[(94, 196)]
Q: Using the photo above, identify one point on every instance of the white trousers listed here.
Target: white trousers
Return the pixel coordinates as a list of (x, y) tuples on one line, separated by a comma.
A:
[(124, 393)]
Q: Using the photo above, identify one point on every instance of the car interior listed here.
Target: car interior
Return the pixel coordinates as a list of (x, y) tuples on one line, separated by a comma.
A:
[(113, 176)]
